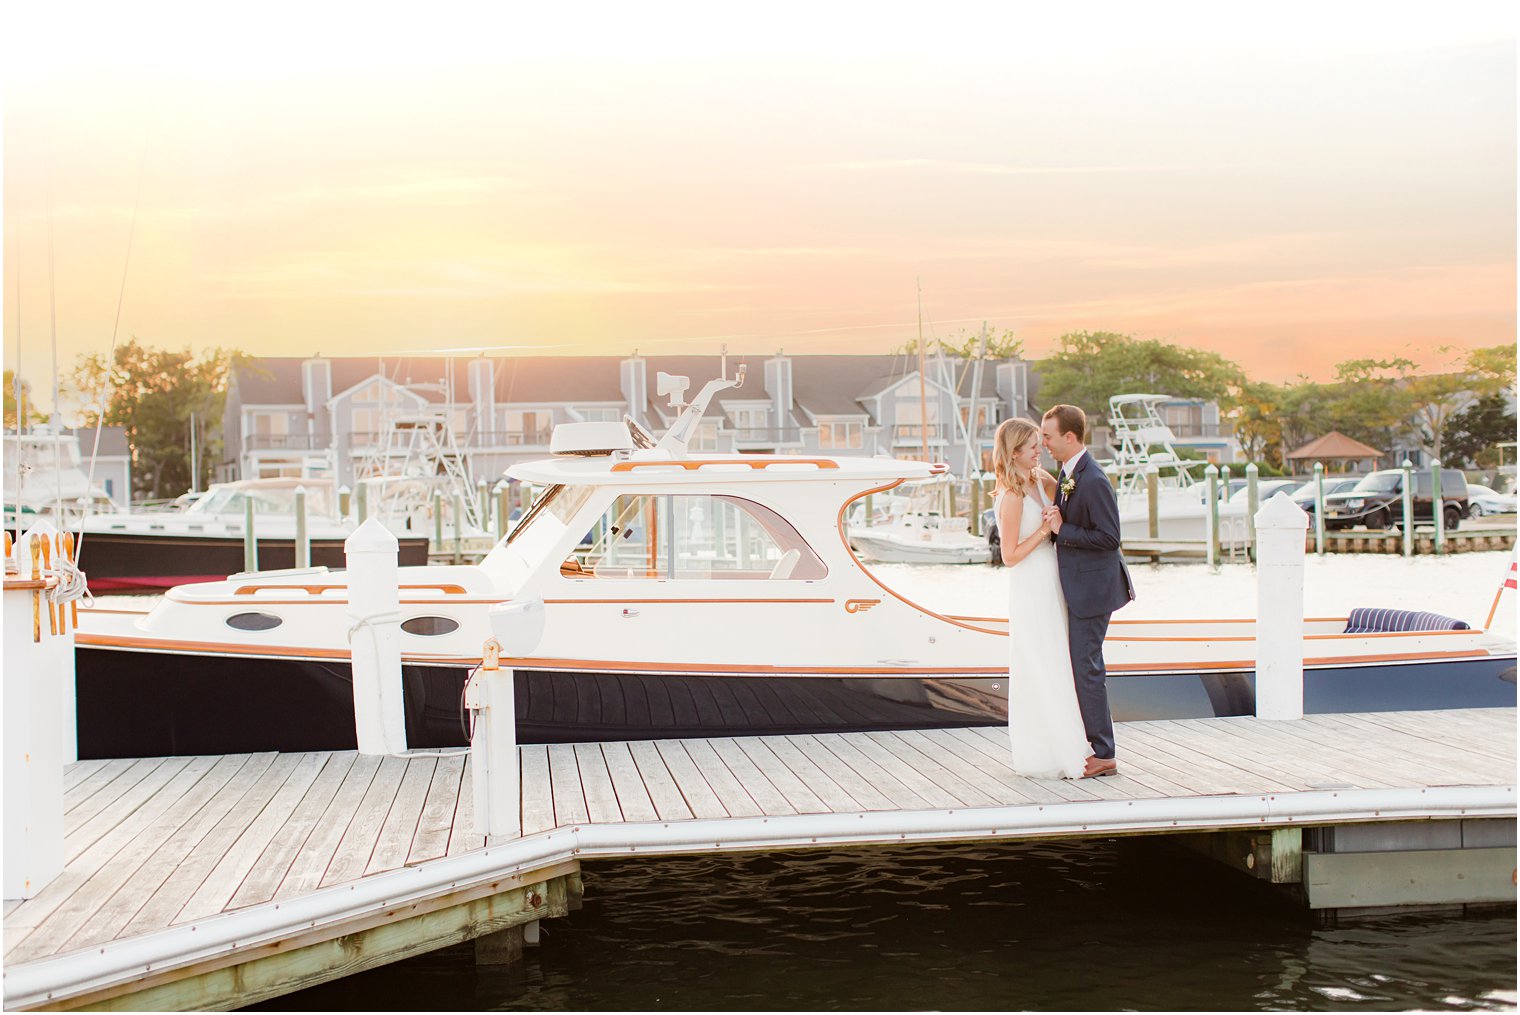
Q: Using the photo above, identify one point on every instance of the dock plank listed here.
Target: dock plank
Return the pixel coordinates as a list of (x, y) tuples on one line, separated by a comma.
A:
[(118, 855), (666, 796), (701, 799), (596, 783), (633, 798), (438, 809), (357, 845), (224, 879), (463, 837), (171, 838), (312, 860), (923, 773), (274, 863), (873, 788), (108, 794), (736, 800), (993, 741), (400, 827), (834, 796), (766, 794), (163, 907), (537, 790), (565, 778)]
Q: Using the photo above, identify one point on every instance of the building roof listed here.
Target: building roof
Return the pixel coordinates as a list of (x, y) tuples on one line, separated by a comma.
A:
[(1335, 445), (113, 441), (825, 385)]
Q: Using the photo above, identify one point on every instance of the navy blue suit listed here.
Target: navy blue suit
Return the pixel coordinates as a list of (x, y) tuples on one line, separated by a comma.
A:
[(1096, 583)]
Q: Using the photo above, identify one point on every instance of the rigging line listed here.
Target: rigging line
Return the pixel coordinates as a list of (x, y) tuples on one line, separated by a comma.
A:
[(53, 333), (16, 387), (100, 405)]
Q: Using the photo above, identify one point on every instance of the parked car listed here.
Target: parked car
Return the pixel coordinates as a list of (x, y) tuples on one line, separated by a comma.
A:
[(1304, 495), (1266, 489), (1377, 500), (1485, 501), (990, 526)]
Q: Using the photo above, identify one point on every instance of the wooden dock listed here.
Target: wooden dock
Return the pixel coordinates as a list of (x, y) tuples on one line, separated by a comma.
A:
[(214, 882), (1470, 538)]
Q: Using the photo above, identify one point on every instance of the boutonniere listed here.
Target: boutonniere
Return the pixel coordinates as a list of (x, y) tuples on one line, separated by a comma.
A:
[(1068, 485)]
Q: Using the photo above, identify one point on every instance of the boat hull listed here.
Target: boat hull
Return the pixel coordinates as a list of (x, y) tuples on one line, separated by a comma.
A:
[(127, 561), (146, 704)]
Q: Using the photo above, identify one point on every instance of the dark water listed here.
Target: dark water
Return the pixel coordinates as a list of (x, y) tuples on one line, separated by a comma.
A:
[(1120, 924)]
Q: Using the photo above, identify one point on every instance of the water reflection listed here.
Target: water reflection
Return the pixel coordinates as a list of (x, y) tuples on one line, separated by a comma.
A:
[(1119, 924)]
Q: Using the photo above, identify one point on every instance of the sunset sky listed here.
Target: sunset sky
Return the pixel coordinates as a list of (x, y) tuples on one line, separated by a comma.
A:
[(1292, 185)]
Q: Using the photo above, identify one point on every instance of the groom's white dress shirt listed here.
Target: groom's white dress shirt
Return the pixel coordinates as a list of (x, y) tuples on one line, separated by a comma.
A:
[(1070, 465)]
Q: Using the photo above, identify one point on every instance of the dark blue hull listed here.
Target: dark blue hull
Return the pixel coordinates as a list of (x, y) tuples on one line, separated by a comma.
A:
[(140, 704)]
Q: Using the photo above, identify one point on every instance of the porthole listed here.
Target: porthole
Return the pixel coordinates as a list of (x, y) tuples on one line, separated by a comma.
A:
[(430, 627), (254, 621)]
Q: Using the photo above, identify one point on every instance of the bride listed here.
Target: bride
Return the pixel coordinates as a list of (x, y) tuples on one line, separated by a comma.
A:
[(1044, 721)]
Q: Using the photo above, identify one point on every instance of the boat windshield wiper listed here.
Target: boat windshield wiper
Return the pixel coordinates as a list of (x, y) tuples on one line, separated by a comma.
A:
[(544, 500)]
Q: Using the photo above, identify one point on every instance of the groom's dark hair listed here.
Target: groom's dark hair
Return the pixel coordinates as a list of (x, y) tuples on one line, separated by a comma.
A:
[(1069, 419)]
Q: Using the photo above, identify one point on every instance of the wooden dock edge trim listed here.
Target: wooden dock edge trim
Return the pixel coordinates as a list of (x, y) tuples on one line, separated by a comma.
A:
[(845, 539), (240, 953), (27, 984)]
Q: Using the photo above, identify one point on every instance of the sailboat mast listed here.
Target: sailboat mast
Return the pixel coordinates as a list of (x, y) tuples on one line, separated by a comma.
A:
[(923, 391)]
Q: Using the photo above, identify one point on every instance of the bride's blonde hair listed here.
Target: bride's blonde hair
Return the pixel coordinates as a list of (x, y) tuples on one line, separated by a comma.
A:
[(1012, 434)]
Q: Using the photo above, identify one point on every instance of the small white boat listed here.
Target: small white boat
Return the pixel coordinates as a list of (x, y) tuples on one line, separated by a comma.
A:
[(921, 537), (718, 596), (45, 478), (146, 550)]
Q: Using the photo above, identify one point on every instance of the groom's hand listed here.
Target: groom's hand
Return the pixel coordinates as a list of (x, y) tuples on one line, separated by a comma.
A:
[(1053, 519)]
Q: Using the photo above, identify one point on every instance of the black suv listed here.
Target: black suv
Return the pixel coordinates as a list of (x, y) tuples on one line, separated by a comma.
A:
[(1377, 500)]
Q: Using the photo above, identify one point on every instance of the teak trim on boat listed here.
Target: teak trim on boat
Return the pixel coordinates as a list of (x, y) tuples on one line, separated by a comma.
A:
[(845, 539), (693, 464), (316, 590)]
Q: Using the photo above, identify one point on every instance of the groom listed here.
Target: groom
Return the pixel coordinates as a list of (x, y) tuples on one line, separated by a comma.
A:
[(1084, 525)]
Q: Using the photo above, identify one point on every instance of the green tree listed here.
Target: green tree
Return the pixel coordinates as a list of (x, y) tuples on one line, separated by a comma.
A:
[(152, 394), (1089, 367), (1493, 367), (29, 411), (964, 345), (1471, 436)]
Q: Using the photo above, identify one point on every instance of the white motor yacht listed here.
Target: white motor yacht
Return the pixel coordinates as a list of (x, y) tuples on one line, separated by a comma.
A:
[(719, 596)]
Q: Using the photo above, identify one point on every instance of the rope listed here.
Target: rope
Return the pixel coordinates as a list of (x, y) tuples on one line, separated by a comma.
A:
[(71, 583), (370, 622)]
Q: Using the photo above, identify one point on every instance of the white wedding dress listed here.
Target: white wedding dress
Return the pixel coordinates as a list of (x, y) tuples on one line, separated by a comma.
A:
[(1044, 721)]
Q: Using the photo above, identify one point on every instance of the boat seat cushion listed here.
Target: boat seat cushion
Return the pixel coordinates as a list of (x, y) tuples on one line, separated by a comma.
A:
[(1373, 620)]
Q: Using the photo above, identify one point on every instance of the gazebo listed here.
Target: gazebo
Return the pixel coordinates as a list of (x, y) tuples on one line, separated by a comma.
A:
[(1339, 453)]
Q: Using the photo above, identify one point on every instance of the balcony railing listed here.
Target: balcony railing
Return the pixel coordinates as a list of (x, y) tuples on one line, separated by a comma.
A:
[(284, 441), (766, 434), (1186, 430), (509, 438), (915, 433)]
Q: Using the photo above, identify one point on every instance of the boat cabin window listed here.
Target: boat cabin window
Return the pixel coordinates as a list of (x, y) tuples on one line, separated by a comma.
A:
[(695, 537)]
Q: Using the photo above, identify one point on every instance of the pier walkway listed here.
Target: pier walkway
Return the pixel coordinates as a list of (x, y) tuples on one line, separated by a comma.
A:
[(219, 881)]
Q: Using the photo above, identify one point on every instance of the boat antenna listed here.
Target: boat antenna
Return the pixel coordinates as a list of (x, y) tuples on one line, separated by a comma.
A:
[(121, 295)]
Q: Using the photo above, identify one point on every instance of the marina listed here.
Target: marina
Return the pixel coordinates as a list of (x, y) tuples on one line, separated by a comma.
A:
[(204, 882)]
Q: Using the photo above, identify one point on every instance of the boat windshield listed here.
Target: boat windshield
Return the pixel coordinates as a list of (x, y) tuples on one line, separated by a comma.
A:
[(276, 500), (1380, 482)]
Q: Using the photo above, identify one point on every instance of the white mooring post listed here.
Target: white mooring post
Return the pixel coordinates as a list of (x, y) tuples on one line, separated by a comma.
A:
[(374, 638), (1280, 530), (39, 641), (491, 696)]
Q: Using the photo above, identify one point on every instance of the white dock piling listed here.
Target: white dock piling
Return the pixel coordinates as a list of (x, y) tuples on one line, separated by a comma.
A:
[(1406, 501), (374, 637), (1280, 529), (303, 537), (38, 645), (492, 698)]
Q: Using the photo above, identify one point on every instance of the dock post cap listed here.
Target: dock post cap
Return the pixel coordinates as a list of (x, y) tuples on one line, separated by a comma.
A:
[(371, 537), (1279, 512), (1211, 470)]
